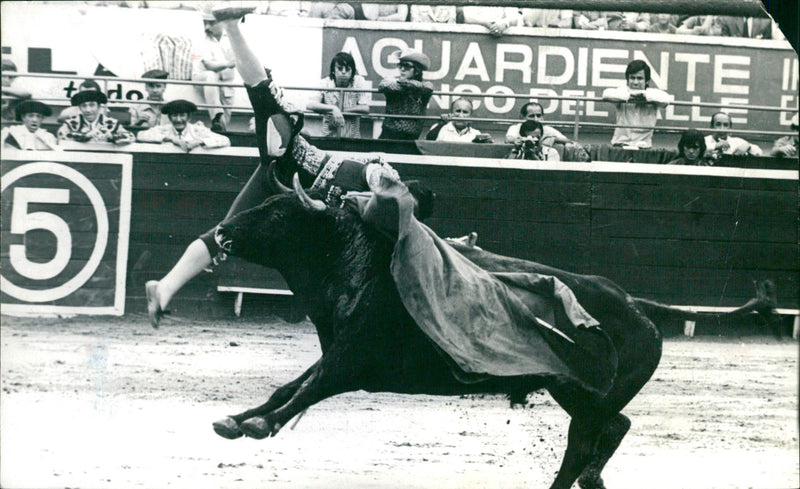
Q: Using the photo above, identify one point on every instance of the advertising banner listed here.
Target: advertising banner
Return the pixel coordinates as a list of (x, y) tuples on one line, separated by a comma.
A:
[(65, 229), (583, 66)]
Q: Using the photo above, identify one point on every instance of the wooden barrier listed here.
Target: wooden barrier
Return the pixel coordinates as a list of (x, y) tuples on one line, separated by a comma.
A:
[(682, 235)]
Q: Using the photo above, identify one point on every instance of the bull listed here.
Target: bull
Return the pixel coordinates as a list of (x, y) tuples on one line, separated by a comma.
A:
[(339, 267)]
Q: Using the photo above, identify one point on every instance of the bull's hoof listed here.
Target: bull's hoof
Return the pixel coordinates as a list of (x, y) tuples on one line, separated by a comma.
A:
[(227, 428), (257, 428)]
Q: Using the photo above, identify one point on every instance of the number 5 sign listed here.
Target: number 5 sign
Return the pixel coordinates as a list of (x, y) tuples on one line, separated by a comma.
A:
[(65, 227)]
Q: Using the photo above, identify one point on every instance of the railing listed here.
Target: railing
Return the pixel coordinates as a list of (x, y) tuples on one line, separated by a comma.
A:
[(576, 124)]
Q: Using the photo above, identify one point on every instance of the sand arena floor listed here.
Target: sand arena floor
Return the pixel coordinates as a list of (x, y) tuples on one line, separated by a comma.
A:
[(112, 403)]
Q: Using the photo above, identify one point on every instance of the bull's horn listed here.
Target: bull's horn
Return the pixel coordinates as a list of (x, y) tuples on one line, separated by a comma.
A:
[(308, 202), (273, 179)]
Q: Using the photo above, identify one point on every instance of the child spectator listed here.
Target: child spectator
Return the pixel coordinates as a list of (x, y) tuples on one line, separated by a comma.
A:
[(530, 146), (145, 116), (637, 105), (91, 124), (215, 65), (29, 135), (11, 95), (454, 128), (786, 147), (691, 150), (180, 131), (331, 102), (445, 14), (406, 94), (723, 143), (73, 112)]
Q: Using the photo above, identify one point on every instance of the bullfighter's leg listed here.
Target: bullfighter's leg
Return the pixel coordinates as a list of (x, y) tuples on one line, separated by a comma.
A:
[(200, 253), (229, 427)]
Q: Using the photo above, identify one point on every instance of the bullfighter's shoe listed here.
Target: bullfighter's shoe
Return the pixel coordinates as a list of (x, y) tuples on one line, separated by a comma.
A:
[(154, 311), (224, 12)]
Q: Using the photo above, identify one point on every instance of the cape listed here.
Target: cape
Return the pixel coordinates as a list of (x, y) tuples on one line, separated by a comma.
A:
[(498, 324)]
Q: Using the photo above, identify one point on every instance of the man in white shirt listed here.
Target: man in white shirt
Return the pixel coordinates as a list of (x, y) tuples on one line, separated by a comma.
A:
[(455, 128), (533, 111), (29, 135), (215, 64), (723, 143), (181, 132), (637, 107)]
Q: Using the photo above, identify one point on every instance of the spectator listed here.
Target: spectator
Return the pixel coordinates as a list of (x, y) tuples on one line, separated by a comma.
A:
[(331, 102), (637, 105), (723, 143), (145, 116), (91, 124), (11, 95), (445, 14), (407, 95), (691, 150), (331, 10), (664, 24), (786, 147), (215, 65), (700, 25), (630, 21), (73, 112), (454, 128), (496, 19), (180, 131), (29, 135), (397, 12), (533, 111), (745, 27), (590, 20), (547, 17), (530, 146)]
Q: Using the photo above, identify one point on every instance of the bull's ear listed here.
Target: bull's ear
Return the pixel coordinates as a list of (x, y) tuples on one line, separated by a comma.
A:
[(313, 205)]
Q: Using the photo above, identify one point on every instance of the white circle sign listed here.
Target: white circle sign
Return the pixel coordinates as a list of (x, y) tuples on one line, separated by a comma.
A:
[(73, 284)]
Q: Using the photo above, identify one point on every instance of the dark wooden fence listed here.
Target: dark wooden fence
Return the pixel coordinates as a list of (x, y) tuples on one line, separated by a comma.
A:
[(687, 236)]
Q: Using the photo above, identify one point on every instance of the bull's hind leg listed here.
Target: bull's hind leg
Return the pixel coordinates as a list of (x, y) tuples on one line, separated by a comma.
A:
[(608, 442), (230, 427)]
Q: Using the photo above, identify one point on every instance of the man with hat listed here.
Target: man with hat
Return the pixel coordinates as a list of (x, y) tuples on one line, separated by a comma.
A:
[(11, 95), (786, 147), (407, 95), (29, 135), (92, 125), (145, 116), (180, 131)]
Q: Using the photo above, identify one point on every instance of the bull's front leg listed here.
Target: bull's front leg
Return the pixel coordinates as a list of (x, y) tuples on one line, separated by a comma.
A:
[(229, 426), (334, 375)]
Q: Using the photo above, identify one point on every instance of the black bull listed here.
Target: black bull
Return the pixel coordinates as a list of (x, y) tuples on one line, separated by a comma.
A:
[(339, 267)]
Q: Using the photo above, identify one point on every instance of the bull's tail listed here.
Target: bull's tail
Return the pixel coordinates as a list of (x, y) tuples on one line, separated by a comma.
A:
[(763, 303)]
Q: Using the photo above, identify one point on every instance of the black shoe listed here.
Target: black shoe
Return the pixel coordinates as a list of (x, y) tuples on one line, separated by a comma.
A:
[(227, 13)]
